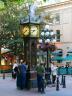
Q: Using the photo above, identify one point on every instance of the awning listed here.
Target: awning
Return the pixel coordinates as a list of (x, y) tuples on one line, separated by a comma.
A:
[(69, 52), (56, 52), (57, 58), (4, 50), (68, 58)]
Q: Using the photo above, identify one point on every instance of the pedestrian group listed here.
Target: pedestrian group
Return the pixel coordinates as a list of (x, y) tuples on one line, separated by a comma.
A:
[(21, 72)]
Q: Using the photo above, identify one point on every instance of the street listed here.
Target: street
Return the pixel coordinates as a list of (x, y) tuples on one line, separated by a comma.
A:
[(8, 88)]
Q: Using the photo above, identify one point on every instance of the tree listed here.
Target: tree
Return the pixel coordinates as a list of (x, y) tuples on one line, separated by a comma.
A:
[(11, 13), (9, 26)]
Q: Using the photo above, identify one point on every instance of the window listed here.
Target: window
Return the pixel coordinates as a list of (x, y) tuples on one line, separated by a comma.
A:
[(58, 35), (60, 55), (57, 18)]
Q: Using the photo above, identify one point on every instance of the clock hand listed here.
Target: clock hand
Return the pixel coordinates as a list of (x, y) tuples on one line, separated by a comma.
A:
[(25, 31), (33, 30)]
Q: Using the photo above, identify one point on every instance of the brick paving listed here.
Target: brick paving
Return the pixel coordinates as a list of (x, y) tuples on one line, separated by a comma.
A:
[(8, 88)]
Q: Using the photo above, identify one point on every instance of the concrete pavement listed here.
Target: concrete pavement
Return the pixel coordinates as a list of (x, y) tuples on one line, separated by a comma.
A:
[(8, 88)]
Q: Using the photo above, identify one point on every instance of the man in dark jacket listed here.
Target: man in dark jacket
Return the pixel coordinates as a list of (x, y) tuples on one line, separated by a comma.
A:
[(40, 77)]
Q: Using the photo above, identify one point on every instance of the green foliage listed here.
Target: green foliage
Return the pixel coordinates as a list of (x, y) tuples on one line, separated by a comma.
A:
[(1, 5), (9, 27), (17, 1), (10, 14), (5, 2), (44, 0)]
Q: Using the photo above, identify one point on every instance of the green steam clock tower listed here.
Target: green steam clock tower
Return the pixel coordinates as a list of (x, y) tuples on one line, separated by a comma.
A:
[(30, 33)]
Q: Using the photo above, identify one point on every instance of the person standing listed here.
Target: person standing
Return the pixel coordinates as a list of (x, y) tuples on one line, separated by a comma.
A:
[(14, 70), (54, 72), (40, 77), (67, 66), (28, 81), (21, 76)]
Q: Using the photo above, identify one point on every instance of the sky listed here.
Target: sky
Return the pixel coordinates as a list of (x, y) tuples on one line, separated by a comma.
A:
[(56, 1), (49, 1)]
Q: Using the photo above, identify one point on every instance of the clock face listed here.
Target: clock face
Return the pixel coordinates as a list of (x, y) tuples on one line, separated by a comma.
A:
[(25, 30), (34, 31)]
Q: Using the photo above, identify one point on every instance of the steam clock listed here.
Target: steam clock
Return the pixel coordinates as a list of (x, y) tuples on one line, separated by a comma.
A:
[(30, 34)]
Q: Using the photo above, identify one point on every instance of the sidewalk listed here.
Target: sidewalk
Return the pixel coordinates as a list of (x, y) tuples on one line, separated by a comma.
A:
[(8, 88)]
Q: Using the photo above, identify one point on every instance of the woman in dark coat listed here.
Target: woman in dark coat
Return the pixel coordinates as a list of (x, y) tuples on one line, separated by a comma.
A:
[(28, 82), (21, 76)]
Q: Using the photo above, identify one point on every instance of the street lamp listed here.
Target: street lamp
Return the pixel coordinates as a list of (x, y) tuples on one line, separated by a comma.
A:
[(46, 41)]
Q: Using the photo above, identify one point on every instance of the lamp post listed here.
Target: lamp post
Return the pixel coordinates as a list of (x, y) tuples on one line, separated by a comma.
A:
[(47, 40)]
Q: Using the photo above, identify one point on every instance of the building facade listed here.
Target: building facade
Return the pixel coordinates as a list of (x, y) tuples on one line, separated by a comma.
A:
[(62, 23)]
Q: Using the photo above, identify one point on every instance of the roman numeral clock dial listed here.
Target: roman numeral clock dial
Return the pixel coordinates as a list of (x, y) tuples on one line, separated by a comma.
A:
[(25, 31), (34, 31)]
